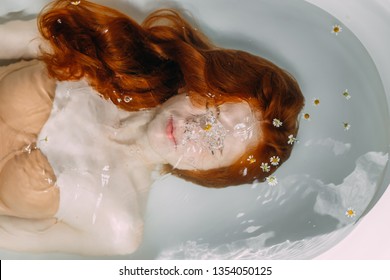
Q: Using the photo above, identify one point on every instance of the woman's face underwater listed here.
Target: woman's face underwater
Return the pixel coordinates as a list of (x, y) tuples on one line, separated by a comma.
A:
[(194, 138)]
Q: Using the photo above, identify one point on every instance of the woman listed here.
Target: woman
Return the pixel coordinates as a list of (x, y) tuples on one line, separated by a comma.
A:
[(134, 99)]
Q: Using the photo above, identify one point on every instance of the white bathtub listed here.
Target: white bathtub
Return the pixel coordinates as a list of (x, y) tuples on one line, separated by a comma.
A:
[(365, 237), (370, 21)]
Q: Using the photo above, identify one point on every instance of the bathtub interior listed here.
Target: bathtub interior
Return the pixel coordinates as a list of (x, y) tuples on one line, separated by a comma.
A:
[(338, 169)]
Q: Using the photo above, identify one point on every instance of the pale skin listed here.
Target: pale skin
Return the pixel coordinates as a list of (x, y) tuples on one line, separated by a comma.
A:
[(31, 224), (20, 40)]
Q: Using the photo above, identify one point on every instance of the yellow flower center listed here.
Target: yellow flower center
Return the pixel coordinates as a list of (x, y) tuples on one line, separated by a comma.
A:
[(207, 127), (316, 102), (350, 212), (336, 29), (306, 116)]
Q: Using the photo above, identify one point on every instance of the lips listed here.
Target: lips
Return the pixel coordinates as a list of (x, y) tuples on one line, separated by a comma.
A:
[(170, 130)]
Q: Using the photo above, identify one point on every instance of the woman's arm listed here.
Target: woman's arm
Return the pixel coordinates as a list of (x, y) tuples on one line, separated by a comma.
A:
[(91, 220), (20, 40), (88, 223), (50, 235)]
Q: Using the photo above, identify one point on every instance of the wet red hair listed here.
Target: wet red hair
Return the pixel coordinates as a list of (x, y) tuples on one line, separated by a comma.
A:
[(141, 66)]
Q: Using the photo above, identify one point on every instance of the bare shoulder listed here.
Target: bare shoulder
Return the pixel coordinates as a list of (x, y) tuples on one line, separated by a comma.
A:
[(109, 229)]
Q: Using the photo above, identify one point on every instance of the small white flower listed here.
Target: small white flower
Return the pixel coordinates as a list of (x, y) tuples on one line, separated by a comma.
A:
[(336, 29), (251, 159), (316, 101), (346, 126), (75, 3), (350, 213), (277, 123), (346, 94), (271, 180), (274, 160), (265, 167), (306, 117), (291, 139)]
